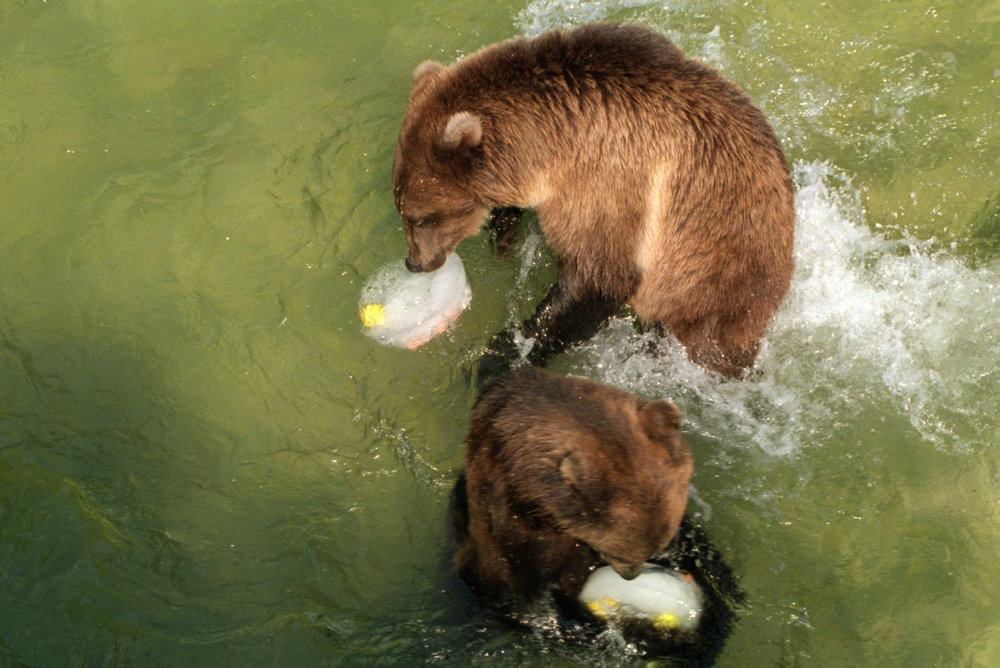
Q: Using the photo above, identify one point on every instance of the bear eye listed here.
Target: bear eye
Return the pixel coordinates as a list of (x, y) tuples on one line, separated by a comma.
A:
[(425, 221)]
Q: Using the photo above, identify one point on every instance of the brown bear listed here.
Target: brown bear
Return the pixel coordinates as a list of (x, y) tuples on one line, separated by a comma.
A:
[(563, 474), (657, 183)]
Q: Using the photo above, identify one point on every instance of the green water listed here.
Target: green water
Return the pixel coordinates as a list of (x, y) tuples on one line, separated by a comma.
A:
[(204, 460)]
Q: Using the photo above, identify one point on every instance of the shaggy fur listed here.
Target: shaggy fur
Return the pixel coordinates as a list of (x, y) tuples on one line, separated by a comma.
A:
[(561, 475), (656, 181)]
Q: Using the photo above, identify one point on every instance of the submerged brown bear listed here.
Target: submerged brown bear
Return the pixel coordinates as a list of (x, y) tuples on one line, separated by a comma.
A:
[(655, 180), (561, 475)]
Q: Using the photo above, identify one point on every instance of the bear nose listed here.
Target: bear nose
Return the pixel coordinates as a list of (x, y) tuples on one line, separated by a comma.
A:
[(626, 570), (629, 572), (413, 266)]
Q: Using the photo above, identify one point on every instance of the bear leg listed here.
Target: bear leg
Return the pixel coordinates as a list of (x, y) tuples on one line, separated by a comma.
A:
[(717, 350), (562, 319), (502, 227), (566, 317), (459, 511)]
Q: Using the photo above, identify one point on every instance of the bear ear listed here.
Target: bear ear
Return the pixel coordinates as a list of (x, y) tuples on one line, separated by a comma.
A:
[(659, 419), (586, 493), (422, 74), (571, 501), (423, 70), (463, 131), (570, 471)]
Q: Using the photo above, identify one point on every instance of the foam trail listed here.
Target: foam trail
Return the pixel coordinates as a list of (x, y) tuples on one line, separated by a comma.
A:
[(868, 320), (918, 319), (542, 15)]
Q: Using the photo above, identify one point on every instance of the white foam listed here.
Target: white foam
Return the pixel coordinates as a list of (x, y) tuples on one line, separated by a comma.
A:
[(542, 15), (530, 255)]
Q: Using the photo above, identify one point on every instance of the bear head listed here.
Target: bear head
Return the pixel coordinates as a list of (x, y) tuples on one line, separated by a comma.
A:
[(431, 172), (626, 498), (601, 466)]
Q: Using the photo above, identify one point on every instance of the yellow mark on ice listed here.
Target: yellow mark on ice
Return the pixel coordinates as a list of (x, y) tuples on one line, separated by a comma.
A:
[(372, 315)]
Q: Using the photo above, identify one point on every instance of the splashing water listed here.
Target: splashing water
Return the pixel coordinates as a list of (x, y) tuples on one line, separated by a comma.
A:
[(544, 15), (868, 320), (873, 318)]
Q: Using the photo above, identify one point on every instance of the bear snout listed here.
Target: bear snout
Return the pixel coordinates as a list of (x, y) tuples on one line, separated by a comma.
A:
[(418, 267), (626, 570)]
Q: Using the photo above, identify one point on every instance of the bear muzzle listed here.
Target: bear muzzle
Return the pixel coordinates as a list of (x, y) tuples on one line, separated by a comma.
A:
[(628, 571), (434, 264)]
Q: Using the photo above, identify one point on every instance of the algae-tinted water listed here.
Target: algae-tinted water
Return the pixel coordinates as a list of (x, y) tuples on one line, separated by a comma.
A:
[(204, 460)]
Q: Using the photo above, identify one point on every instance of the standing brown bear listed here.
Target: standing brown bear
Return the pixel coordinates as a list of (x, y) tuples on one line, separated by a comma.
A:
[(655, 180), (561, 475)]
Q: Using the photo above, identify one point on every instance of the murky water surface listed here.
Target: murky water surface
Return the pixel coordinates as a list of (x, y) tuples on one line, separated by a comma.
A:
[(203, 459)]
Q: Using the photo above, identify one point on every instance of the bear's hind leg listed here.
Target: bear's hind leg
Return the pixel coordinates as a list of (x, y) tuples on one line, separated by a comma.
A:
[(718, 349)]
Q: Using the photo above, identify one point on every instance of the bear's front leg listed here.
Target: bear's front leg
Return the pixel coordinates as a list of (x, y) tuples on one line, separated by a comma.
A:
[(563, 318), (502, 228), (566, 317)]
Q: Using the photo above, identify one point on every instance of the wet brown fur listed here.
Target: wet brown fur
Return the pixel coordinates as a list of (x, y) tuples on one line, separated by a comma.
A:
[(560, 475), (655, 180)]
